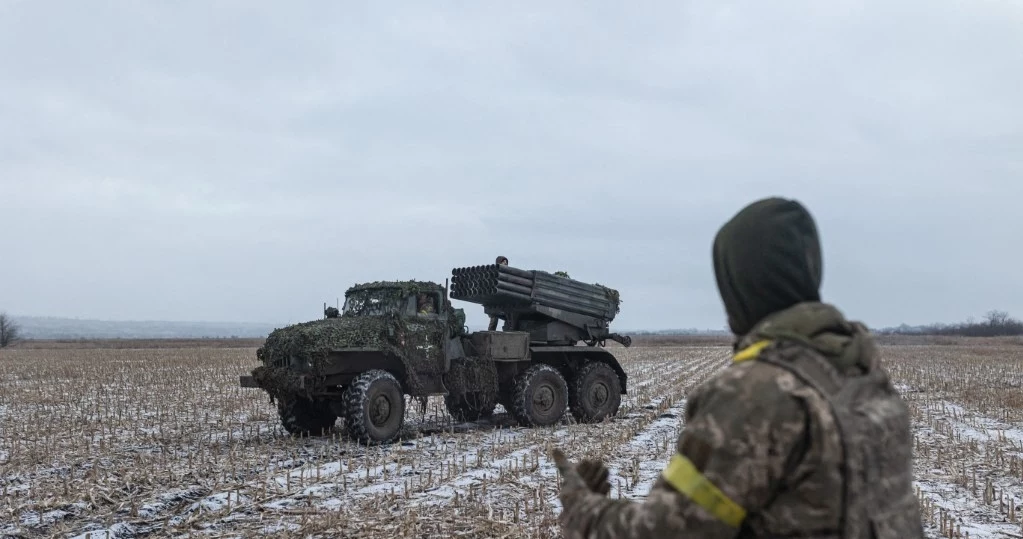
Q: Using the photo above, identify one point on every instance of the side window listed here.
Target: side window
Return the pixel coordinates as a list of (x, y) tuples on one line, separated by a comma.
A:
[(426, 304), (409, 307)]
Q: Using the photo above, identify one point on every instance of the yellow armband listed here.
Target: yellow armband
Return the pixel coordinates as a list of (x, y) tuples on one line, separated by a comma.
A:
[(683, 475), (750, 352)]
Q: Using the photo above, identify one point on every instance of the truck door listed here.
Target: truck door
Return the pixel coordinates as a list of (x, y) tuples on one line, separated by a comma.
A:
[(427, 332)]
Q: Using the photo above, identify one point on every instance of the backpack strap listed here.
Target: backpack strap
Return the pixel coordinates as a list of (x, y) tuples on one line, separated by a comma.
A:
[(818, 373)]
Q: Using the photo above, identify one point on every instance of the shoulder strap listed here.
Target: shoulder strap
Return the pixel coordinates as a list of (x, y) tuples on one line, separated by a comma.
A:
[(816, 372)]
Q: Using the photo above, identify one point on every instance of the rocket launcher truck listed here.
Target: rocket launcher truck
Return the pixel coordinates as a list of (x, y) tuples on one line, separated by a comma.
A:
[(554, 310), (398, 338)]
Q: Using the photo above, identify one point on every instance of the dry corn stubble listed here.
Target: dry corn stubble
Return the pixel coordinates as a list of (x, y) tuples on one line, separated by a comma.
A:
[(163, 440), (967, 413)]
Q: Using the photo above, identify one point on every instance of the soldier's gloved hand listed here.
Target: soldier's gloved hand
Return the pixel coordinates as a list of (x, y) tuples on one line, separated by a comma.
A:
[(578, 505), (594, 473), (571, 481)]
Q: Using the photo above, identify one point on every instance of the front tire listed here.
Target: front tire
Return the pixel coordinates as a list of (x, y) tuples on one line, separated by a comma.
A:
[(303, 417), (595, 393), (374, 407), (540, 396)]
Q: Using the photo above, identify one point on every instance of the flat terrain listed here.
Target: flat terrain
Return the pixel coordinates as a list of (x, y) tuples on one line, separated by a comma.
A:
[(109, 440)]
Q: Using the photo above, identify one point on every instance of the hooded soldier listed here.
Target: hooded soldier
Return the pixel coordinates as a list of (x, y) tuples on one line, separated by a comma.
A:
[(501, 261), (802, 435)]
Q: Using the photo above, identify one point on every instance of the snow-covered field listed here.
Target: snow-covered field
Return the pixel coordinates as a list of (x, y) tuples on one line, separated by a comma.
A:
[(163, 442)]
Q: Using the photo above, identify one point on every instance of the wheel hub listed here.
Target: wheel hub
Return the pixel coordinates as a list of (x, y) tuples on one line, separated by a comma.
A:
[(543, 398), (380, 410), (599, 394)]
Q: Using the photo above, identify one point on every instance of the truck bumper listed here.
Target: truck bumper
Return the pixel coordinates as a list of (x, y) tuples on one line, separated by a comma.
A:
[(246, 380)]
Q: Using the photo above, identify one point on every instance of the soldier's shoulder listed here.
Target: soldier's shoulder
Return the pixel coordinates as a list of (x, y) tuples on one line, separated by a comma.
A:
[(746, 394), (752, 375)]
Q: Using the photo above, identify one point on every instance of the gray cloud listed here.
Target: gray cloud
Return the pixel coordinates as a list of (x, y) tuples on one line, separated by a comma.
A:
[(246, 161)]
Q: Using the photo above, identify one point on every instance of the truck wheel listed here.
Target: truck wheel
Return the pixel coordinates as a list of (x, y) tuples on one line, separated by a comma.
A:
[(303, 417), (470, 406), (540, 396), (374, 407), (595, 393)]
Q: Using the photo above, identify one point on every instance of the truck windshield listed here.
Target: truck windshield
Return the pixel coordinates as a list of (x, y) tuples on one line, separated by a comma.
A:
[(370, 303)]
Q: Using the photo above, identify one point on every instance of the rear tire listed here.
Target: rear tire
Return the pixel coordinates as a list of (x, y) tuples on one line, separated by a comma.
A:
[(471, 406), (595, 393), (303, 417), (374, 407), (540, 396)]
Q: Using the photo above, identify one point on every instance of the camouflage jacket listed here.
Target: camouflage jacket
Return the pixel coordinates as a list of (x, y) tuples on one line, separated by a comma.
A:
[(760, 456)]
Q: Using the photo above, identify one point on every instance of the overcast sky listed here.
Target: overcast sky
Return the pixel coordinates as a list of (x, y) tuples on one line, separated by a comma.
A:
[(249, 160)]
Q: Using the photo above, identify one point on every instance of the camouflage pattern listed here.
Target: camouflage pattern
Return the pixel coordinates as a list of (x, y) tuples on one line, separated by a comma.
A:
[(458, 323), (769, 440), (803, 435), (472, 374), (875, 432), (372, 318)]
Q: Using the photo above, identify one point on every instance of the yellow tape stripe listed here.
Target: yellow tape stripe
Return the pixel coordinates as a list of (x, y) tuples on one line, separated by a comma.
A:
[(751, 351), (683, 475)]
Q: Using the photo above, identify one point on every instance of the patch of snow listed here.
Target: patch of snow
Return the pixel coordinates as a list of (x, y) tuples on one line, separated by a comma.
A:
[(117, 531), (973, 517)]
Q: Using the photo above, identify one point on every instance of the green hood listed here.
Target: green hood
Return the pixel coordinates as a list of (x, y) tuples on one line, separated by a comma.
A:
[(768, 264), (767, 258)]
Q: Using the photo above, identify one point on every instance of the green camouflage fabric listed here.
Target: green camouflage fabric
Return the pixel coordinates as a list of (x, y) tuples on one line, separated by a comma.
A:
[(458, 322), (768, 440), (803, 435), (472, 374)]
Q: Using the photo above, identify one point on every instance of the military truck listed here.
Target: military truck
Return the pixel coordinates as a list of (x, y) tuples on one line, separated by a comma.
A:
[(397, 338)]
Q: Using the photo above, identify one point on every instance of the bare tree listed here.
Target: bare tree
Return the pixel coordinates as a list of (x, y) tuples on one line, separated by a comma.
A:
[(10, 332), (996, 318)]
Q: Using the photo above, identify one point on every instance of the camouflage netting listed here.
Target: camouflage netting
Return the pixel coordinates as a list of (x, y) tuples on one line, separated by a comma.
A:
[(458, 324), (614, 296), (371, 319), (472, 374)]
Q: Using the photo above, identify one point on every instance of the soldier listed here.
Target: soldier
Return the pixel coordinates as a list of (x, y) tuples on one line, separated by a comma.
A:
[(502, 261), (425, 304), (802, 435)]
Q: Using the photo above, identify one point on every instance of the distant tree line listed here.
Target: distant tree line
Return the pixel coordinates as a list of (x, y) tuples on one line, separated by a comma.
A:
[(994, 324), (10, 331)]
